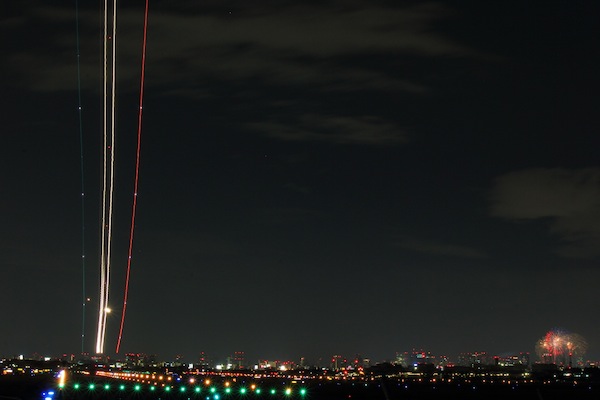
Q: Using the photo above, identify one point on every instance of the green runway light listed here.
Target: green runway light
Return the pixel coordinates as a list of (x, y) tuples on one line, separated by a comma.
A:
[(61, 385), (302, 392), (106, 387), (288, 391), (122, 387), (152, 388), (92, 386), (197, 389), (243, 390), (273, 391), (213, 389), (228, 390), (76, 386), (257, 391), (182, 389), (137, 388)]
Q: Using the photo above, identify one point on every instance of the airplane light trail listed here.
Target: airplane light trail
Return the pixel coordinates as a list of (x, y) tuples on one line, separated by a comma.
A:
[(108, 173), (137, 174)]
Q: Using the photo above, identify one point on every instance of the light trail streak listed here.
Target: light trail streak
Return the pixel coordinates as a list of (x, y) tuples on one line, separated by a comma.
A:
[(108, 173), (80, 118), (137, 174), (99, 342)]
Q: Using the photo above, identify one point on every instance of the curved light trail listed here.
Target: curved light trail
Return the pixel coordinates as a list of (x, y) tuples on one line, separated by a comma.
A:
[(137, 174)]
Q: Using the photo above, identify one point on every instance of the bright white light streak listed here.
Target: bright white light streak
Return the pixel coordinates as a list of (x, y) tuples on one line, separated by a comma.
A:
[(101, 300), (62, 377), (108, 173)]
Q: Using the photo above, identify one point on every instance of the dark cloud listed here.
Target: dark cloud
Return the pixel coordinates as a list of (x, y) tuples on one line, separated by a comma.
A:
[(334, 129), (441, 249), (290, 45), (298, 44), (568, 199)]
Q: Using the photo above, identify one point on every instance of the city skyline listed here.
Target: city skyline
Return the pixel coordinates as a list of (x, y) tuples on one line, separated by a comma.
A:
[(328, 178), (555, 347)]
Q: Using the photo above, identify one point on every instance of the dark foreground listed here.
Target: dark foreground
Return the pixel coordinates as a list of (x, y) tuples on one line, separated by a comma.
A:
[(41, 388)]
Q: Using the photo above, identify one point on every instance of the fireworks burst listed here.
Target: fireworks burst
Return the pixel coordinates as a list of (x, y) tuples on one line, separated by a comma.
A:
[(559, 347)]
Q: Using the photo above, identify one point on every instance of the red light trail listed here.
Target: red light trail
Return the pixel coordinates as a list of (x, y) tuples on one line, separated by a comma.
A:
[(137, 174)]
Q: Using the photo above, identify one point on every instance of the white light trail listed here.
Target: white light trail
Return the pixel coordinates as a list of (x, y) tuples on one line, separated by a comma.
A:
[(108, 173)]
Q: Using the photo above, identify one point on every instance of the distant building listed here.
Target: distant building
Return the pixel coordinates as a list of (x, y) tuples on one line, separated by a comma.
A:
[(512, 360), (475, 358), (415, 357), (204, 361), (239, 359), (140, 360), (338, 362)]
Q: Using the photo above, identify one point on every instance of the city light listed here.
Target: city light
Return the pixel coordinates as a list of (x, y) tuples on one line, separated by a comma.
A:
[(474, 370), (62, 377)]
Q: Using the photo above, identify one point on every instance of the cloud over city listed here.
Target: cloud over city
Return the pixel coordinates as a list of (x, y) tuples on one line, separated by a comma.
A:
[(568, 198)]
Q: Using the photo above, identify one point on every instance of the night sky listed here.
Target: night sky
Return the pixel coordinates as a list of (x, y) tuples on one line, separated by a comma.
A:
[(318, 177)]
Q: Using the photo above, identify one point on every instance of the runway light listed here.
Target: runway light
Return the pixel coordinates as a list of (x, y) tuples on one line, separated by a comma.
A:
[(182, 389), (212, 389), (197, 389), (137, 388), (257, 390), (62, 376), (288, 391), (106, 387), (228, 390), (122, 387), (302, 392), (92, 386), (273, 391), (167, 388), (243, 390), (152, 388)]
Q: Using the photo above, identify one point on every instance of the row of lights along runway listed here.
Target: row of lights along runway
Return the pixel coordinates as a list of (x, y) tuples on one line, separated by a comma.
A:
[(111, 382)]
